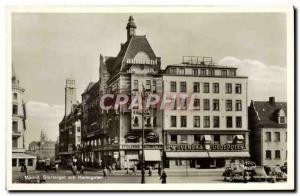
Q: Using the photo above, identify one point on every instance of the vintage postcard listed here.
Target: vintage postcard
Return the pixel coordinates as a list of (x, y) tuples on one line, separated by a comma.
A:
[(150, 98)]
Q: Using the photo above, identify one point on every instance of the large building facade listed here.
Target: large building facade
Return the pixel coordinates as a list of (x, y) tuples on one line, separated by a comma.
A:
[(212, 134), (268, 124), (19, 157)]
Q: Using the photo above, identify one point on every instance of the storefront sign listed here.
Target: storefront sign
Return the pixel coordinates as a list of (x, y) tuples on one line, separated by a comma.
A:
[(138, 146), (185, 147), (228, 147), (249, 165)]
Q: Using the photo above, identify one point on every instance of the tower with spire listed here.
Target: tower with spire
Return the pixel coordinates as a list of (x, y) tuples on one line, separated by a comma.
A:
[(130, 27)]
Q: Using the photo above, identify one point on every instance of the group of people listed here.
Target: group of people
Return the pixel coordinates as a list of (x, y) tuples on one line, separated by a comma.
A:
[(75, 169)]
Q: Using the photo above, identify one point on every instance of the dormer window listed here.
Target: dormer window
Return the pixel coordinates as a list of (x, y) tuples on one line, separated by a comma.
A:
[(281, 117)]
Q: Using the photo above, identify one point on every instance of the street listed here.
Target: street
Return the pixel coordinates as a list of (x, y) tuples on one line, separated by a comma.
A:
[(121, 176)]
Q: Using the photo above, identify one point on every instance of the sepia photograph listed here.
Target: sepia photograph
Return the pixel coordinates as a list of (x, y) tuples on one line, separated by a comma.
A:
[(150, 98)]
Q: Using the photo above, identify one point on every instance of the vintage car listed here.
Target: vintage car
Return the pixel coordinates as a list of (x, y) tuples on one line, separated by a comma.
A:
[(235, 173), (259, 175), (276, 173)]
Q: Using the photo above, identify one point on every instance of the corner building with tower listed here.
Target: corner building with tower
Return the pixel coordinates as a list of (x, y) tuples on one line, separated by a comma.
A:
[(212, 134)]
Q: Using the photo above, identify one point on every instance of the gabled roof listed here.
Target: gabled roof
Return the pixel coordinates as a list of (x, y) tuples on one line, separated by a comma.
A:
[(267, 113), (90, 85), (128, 51)]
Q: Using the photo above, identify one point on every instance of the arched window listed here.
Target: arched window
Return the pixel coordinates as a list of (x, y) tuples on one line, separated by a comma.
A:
[(15, 96)]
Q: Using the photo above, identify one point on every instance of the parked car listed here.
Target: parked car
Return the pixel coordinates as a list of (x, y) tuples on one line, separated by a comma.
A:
[(276, 172), (259, 174), (235, 173)]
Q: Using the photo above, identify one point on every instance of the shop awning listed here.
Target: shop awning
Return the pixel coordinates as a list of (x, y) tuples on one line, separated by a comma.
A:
[(152, 155), (207, 137), (240, 137), (228, 154), (22, 156), (187, 154)]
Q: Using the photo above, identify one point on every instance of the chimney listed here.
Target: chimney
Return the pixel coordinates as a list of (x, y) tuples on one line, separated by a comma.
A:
[(272, 101)]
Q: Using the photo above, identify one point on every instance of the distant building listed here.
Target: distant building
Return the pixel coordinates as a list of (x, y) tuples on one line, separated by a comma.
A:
[(19, 157), (268, 125), (43, 149), (69, 148)]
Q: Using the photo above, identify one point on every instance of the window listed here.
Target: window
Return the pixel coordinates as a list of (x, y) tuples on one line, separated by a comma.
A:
[(203, 72), (182, 86), (228, 88), (238, 88), (183, 103), (14, 162), (211, 72), (216, 139), (173, 86), (173, 70), (216, 105), (223, 72), (173, 139), (282, 120), (135, 121), (154, 85), (183, 121), (238, 105), (173, 121), (216, 121), (229, 139), (231, 73), (15, 96), (30, 162), (206, 121), (197, 139), (136, 85), (206, 88), (268, 137), (148, 85), (15, 126), (216, 88), (268, 154), (196, 121), (15, 109), (15, 143), (196, 87), (229, 121), (21, 162), (228, 105), (195, 72), (277, 136), (238, 122), (206, 104), (181, 71), (183, 139), (277, 154), (78, 129), (196, 104), (154, 121)]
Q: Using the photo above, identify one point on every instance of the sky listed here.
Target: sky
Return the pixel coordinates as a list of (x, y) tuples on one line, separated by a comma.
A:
[(47, 48)]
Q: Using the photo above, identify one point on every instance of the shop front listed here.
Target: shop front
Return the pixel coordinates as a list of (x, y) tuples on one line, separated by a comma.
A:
[(205, 155)]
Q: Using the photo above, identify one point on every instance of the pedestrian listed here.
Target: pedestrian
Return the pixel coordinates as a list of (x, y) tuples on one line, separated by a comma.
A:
[(159, 170), (75, 169), (150, 171), (163, 177), (82, 168), (134, 169), (109, 169), (56, 167), (104, 172), (25, 169)]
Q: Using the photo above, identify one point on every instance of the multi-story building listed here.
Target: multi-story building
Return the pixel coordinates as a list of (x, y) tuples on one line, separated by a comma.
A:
[(70, 126), (43, 149), (115, 134), (268, 125), (19, 157), (214, 131), (211, 135)]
